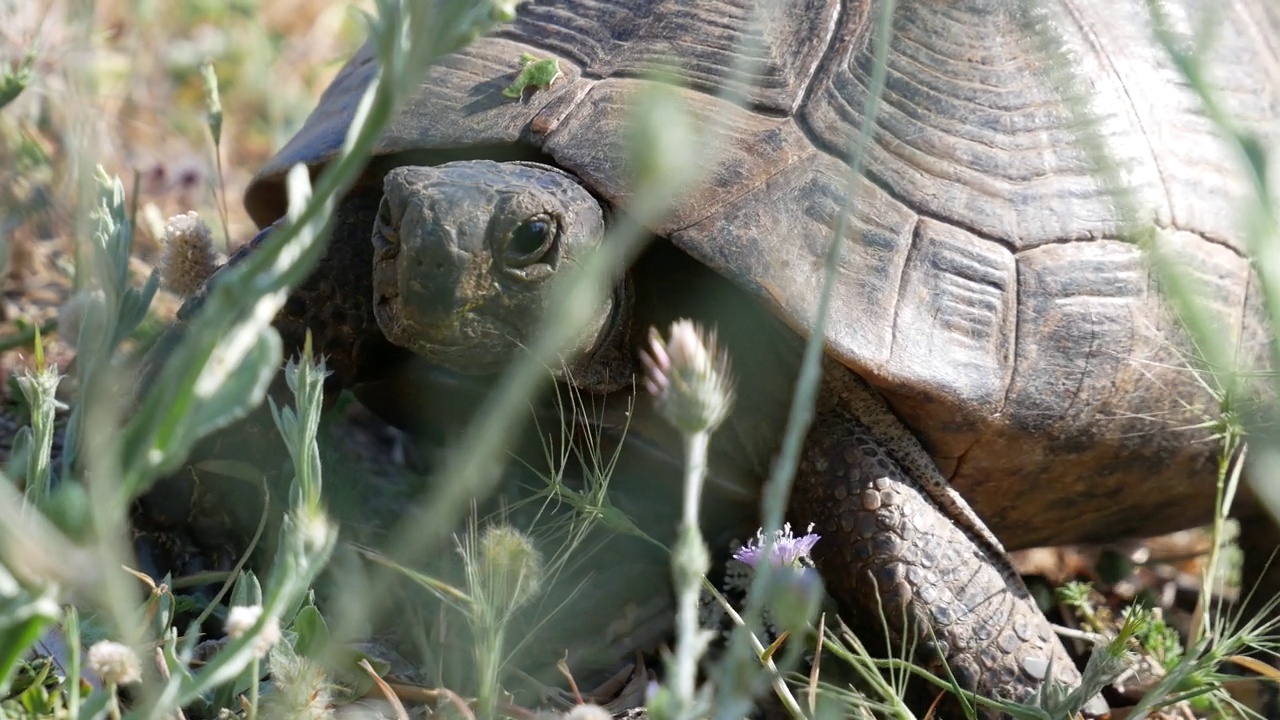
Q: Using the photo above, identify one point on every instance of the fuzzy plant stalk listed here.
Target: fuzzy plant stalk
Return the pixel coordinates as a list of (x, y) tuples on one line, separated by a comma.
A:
[(39, 387), (246, 619), (690, 381), (690, 561), (504, 572)]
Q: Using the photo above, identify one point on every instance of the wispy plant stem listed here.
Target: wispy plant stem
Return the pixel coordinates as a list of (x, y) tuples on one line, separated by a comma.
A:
[(489, 652), (255, 672), (690, 562)]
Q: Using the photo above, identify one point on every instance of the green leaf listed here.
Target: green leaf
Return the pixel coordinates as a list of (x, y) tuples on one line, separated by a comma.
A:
[(95, 706), (231, 376), (313, 633), (534, 73), (247, 592), (24, 614), (134, 305), (18, 453), (344, 668), (69, 510)]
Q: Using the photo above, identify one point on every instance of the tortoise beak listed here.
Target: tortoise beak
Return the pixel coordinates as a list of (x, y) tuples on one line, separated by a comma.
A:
[(432, 267), (424, 276)]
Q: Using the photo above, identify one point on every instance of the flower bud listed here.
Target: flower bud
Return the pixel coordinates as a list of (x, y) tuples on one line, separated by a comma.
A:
[(588, 711), (689, 377), (794, 597)]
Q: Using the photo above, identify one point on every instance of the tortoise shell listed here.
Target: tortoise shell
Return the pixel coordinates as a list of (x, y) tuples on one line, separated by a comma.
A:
[(987, 285)]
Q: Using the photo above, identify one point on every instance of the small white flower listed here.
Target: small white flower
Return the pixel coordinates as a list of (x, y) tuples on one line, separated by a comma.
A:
[(315, 528), (588, 711), (688, 376), (115, 663), (242, 618), (189, 258)]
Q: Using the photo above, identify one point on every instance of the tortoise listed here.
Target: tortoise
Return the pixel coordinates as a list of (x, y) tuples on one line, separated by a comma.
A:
[(1002, 369)]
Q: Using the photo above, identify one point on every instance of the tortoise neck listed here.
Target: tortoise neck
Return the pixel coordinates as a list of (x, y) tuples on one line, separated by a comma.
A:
[(609, 365)]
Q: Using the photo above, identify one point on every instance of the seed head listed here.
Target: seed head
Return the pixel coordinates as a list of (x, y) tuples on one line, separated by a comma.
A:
[(511, 567), (689, 377), (189, 258), (300, 689), (115, 663)]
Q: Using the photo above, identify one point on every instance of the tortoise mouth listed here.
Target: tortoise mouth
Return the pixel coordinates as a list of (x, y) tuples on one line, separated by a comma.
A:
[(469, 341)]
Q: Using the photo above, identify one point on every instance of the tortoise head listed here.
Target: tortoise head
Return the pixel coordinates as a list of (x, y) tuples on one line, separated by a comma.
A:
[(467, 253)]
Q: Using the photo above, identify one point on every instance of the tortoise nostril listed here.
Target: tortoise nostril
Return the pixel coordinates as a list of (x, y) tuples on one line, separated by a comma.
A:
[(385, 225)]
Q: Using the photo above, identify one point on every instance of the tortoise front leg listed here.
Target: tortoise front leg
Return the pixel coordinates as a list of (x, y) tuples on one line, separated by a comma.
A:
[(888, 547)]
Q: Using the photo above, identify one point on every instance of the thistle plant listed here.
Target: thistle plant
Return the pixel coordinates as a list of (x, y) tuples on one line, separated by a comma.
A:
[(299, 427), (797, 592), (783, 548), (689, 378), (307, 539)]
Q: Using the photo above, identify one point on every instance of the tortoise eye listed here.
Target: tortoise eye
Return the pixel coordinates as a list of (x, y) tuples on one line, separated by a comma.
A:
[(531, 242)]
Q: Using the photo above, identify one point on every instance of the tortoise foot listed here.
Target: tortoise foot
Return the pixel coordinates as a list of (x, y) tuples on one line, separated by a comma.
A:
[(889, 550)]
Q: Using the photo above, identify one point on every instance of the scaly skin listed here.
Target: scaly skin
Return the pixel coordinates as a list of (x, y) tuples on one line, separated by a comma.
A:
[(336, 301), (966, 608)]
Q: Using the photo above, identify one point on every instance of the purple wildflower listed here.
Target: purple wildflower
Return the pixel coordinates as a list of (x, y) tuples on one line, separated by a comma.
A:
[(787, 549)]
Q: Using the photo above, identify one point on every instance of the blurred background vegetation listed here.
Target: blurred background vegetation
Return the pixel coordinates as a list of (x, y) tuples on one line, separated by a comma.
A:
[(122, 79)]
